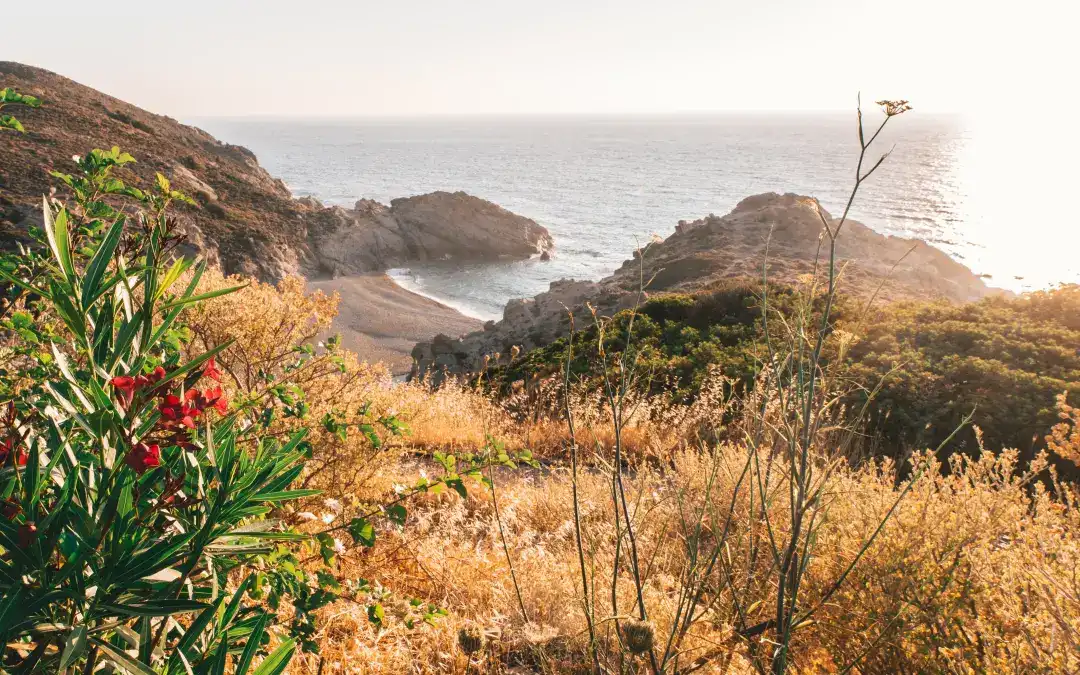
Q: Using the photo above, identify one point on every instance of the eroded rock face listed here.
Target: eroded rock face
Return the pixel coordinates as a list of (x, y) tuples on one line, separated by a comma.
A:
[(244, 219), (705, 251), (436, 226)]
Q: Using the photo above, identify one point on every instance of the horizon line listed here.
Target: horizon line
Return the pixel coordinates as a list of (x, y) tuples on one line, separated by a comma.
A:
[(575, 114)]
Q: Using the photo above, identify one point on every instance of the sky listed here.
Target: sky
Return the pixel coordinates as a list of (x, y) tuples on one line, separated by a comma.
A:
[(202, 58)]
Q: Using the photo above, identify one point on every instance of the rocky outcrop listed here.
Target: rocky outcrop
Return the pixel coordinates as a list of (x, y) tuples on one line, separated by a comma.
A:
[(244, 219), (703, 252), (437, 226)]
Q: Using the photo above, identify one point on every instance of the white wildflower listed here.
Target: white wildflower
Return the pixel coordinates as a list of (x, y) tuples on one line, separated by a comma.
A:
[(306, 515), (334, 505)]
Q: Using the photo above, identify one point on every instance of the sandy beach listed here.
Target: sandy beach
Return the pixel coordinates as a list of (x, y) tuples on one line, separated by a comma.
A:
[(381, 321)]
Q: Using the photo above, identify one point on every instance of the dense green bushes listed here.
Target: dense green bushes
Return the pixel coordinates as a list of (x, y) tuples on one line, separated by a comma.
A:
[(1005, 358), (677, 338)]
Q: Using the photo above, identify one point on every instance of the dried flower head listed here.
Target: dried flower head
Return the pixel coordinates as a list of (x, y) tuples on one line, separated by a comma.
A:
[(893, 108), (638, 636), (470, 639)]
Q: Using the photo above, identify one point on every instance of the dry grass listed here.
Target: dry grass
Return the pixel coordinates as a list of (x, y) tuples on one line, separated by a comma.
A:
[(976, 571)]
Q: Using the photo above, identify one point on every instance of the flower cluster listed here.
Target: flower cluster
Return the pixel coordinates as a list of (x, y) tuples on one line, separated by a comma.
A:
[(126, 386), (178, 413), (894, 108), (143, 457)]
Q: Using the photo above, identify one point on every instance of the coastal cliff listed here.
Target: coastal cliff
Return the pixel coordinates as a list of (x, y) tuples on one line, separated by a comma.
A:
[(436, 226), (702, 253), (244, 220)]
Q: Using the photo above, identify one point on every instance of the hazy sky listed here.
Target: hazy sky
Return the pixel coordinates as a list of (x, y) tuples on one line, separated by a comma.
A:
[(337, 57)]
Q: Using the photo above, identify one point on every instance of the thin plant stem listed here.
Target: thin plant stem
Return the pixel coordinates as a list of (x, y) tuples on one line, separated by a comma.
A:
[(506, 549)]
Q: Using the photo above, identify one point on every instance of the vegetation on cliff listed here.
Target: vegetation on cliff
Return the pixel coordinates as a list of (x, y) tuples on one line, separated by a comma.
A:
[(1006, 359)]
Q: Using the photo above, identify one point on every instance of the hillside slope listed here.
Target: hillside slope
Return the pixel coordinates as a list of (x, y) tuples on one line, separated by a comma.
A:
[(246, 220)]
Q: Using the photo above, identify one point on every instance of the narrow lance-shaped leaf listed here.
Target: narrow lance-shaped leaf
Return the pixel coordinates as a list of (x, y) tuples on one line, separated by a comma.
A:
[(96, 269)]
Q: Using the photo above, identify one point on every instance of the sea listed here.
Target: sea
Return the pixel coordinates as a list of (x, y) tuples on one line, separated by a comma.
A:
[(604, 185)]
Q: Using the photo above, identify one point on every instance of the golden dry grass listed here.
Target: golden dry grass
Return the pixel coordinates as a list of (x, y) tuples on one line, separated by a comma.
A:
[(978, 569)]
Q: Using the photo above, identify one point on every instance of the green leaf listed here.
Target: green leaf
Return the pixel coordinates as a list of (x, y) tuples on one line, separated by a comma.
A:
[(122, 660), (157, 607), (9, 122), (277, 662), (362, 531), (397, 513), (253, 642), (202, 296), (193, 632), (74, 647), (56, 231), (285, 495), (458, 486), (96, 269), (376, 614)]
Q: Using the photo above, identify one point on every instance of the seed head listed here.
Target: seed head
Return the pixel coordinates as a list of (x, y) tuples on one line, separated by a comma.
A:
[(638, 635), (470, 639), (893, 108)]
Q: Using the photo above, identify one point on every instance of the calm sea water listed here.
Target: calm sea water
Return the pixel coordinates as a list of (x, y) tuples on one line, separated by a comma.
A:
[(603, 185)]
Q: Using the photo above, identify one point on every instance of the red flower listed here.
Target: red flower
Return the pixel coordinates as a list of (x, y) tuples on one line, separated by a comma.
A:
[(21, 456), (207, 398), (125, 386), (26, 535), (175, 412), (211, 371), (143, 457), (123, 382)]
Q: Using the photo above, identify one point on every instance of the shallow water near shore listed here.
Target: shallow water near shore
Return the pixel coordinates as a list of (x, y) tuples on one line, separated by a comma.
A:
[(602, 186)]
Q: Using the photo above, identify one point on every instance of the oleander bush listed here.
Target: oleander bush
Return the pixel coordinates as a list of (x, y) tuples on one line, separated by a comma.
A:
[(132, 490)]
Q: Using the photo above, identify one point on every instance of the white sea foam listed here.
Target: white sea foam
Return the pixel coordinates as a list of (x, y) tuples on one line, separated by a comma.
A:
[(403, 277)]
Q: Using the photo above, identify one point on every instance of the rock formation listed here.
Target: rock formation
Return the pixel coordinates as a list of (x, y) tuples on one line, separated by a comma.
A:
[(245, 220), (705, 251), (436, 226)]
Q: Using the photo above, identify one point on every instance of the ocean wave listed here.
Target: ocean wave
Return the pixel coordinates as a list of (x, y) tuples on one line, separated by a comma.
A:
[(403, 277)]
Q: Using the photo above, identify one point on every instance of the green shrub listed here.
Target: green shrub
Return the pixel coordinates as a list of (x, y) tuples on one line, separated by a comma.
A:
[(1005, 358), (130, 490)]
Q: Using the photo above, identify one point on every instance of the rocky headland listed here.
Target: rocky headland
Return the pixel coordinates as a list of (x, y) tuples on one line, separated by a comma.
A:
[(706, 251), (245, 220)]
